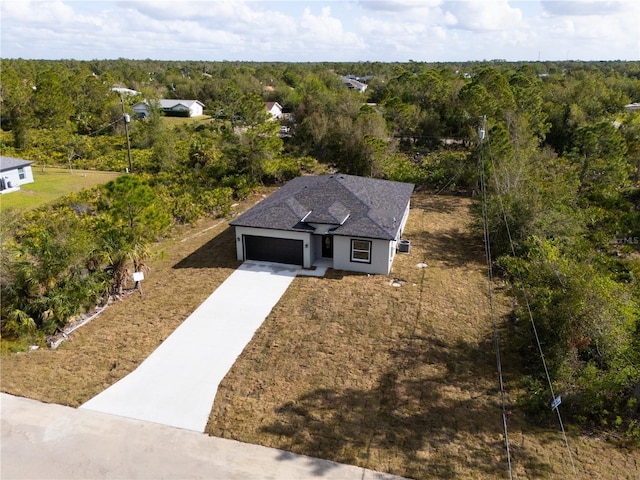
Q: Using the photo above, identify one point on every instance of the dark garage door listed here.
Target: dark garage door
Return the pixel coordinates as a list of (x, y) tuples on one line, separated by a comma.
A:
[(269, 249)]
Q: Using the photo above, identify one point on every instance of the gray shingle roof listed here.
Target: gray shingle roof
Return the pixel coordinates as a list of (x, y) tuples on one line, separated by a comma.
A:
[(10, 163), (357, 206)]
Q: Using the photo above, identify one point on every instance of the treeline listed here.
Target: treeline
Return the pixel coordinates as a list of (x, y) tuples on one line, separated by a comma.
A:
[(559, 153)]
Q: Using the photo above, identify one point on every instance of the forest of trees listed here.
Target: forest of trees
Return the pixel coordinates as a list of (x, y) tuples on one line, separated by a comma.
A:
[(559, 153)]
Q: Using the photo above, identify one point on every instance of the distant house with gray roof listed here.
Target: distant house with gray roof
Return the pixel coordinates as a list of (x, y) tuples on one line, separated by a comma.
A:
[(13, 173), (343, 221), (170, 107), (354, 83)]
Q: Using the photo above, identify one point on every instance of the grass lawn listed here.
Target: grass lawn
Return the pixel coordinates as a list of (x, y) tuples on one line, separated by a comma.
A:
[(399, 379), (51, 184), (173, 121)]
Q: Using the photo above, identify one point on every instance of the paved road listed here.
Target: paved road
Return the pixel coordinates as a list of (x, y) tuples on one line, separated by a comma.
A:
[(177, 384), (46, 441)]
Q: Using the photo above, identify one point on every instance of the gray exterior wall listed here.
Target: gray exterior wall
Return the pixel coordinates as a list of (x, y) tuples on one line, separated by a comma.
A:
[(381, 256), (382, 251), (263, 232)]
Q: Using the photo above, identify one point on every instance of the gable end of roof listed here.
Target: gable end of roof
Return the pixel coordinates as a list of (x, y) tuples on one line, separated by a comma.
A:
[(9, 163)]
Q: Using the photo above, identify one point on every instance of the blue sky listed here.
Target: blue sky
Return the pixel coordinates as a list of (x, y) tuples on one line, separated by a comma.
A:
[(317, 30)]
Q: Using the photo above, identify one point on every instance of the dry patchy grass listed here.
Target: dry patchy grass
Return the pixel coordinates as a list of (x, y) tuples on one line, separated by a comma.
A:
[(181, 275), (347, 367), (397, 379)]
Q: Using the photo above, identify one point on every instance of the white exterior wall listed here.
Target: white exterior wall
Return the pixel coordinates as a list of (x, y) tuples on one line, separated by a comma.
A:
[(263, 232), (275, 112), (196, 110), (380, 256), (13, 176), (403, 223)]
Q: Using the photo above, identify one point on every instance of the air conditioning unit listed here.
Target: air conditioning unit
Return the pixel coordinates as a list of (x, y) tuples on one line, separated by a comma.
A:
[(404, 246)]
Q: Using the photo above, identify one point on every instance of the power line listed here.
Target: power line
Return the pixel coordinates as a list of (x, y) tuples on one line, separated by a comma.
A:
[(496, 336), (554, 400), (124, 119), (464, 164)]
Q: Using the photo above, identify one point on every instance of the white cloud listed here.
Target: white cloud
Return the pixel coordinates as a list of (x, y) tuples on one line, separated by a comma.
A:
[(324, 30), (190, 10), (321, 30), (398, 5), (592, 30), (483, 15), (42, 13)]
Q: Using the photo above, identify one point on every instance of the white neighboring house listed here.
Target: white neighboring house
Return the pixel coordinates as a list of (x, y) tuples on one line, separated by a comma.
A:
[(274, 109), (187, 108), (13, 173)]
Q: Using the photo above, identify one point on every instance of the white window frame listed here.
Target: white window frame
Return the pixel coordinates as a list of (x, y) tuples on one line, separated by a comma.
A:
[(21, 174), (355, 250)]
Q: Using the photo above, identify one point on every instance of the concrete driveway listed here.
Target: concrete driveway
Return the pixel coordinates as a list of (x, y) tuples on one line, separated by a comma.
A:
[(45, 441), (176, 385)]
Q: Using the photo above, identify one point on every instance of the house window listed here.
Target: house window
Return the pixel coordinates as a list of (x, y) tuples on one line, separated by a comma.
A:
[(361, 251), (21, 174)]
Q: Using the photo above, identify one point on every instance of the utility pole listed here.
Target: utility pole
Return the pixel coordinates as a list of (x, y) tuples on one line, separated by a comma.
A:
[(126, 119), (482, 131)]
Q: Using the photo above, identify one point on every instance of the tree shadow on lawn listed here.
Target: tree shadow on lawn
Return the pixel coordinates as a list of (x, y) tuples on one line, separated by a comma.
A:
[(219, 252), (410, 423)]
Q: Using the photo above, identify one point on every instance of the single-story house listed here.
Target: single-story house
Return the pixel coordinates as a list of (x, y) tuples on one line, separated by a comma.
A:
[(179, 108), (274, 109), (632, 107), (13, 173), (354, 84), (342, 221)]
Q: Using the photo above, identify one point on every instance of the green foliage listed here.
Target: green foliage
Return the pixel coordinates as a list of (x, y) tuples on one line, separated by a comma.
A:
[(400, 168), (94, 102), (52, 105), (560, 158), (62, 259), (280, 170), (134, 215), (15, 95), (599, 156), (586, 321), (50, 279)]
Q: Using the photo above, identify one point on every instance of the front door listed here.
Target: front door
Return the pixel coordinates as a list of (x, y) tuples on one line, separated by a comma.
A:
[(327, 246)]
